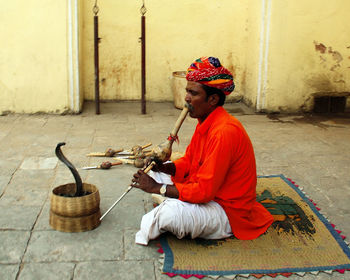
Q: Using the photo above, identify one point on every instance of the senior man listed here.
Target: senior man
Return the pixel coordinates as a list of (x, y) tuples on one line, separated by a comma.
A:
[(212, 191)]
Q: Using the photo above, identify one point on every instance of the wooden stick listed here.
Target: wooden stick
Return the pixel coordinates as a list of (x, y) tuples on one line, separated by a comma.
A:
[(124, 157), (179, 121), (137, 149), (146, 146), (98, 154), (162, 152), (126, 161)]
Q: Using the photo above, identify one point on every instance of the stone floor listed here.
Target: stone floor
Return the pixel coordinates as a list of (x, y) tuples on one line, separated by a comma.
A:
[(312, 150)]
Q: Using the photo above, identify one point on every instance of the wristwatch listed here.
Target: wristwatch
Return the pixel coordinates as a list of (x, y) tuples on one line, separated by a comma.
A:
[(163, 190)]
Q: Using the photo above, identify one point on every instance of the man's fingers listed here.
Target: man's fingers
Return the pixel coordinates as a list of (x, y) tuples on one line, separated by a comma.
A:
[(148, 161), (136, 179), (140, 172)]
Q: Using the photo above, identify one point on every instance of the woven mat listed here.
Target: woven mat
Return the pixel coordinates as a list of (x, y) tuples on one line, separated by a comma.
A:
[(300, 240)]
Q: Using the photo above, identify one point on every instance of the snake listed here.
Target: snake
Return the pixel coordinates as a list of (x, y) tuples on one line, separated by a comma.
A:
[(78, 182)]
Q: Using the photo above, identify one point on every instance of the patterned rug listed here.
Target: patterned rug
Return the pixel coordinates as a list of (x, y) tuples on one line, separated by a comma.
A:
[(300, 240)]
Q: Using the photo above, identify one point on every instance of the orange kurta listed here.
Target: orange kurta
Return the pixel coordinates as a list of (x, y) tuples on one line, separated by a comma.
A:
[(219, 165)]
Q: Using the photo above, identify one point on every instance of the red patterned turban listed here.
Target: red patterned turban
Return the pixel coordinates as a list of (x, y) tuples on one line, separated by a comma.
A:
[(209, 71)]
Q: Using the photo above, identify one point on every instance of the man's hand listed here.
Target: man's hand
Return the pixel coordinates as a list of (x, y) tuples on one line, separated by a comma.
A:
[(156, 167), (144, 182), (168, 168)]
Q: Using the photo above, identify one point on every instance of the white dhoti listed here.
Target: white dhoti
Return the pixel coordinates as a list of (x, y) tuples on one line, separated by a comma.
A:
[(207, 220)]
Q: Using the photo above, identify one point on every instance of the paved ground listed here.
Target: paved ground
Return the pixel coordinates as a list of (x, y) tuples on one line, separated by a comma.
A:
[(313, 151)]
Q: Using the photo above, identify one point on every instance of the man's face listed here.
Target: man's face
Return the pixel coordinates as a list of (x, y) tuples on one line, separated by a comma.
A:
[(197, 97)]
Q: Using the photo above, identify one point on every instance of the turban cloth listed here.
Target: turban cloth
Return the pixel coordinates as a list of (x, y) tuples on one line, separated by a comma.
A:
[(209, 71)]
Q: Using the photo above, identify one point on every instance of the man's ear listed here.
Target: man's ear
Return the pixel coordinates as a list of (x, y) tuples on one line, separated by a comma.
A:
[(214, 99)]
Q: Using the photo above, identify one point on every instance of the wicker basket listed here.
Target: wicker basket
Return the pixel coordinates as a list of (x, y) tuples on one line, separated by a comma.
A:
[(75, 214)]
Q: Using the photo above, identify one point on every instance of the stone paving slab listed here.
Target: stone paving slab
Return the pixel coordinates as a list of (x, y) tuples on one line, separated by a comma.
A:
[(127, 213), (28, 187), (29, 197), (115, 270), (8, 167), (42, 222), (3, 133), (138, 252), (8, 272), (4, 180), (39, 163), (12, 246), (104, 243), (52, 271), (22, 217)]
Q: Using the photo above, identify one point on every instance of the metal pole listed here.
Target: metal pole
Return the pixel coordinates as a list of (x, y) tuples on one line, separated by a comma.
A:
[(97, 79), (143, 63)]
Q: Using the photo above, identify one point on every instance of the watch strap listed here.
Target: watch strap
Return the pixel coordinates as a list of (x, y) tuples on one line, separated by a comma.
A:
[(163, 189)]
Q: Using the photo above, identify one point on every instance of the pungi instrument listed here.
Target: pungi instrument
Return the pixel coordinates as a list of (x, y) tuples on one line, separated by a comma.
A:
[(161, 153), (103, 165)]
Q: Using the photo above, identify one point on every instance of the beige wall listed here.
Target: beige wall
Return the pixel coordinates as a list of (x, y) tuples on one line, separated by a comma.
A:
[(119, 51), (309, 53), (33, 56), (177, 32), (38, 62), (282, 53)]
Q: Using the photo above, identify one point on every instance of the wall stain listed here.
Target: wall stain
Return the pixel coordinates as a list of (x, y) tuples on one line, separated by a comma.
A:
[(326, 52), (339, 81), (334, 67), (117, 77), (320, 47), (335, 55), (275, 117), (320, 83), (243, 79), (229, 65), (322, 59)]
